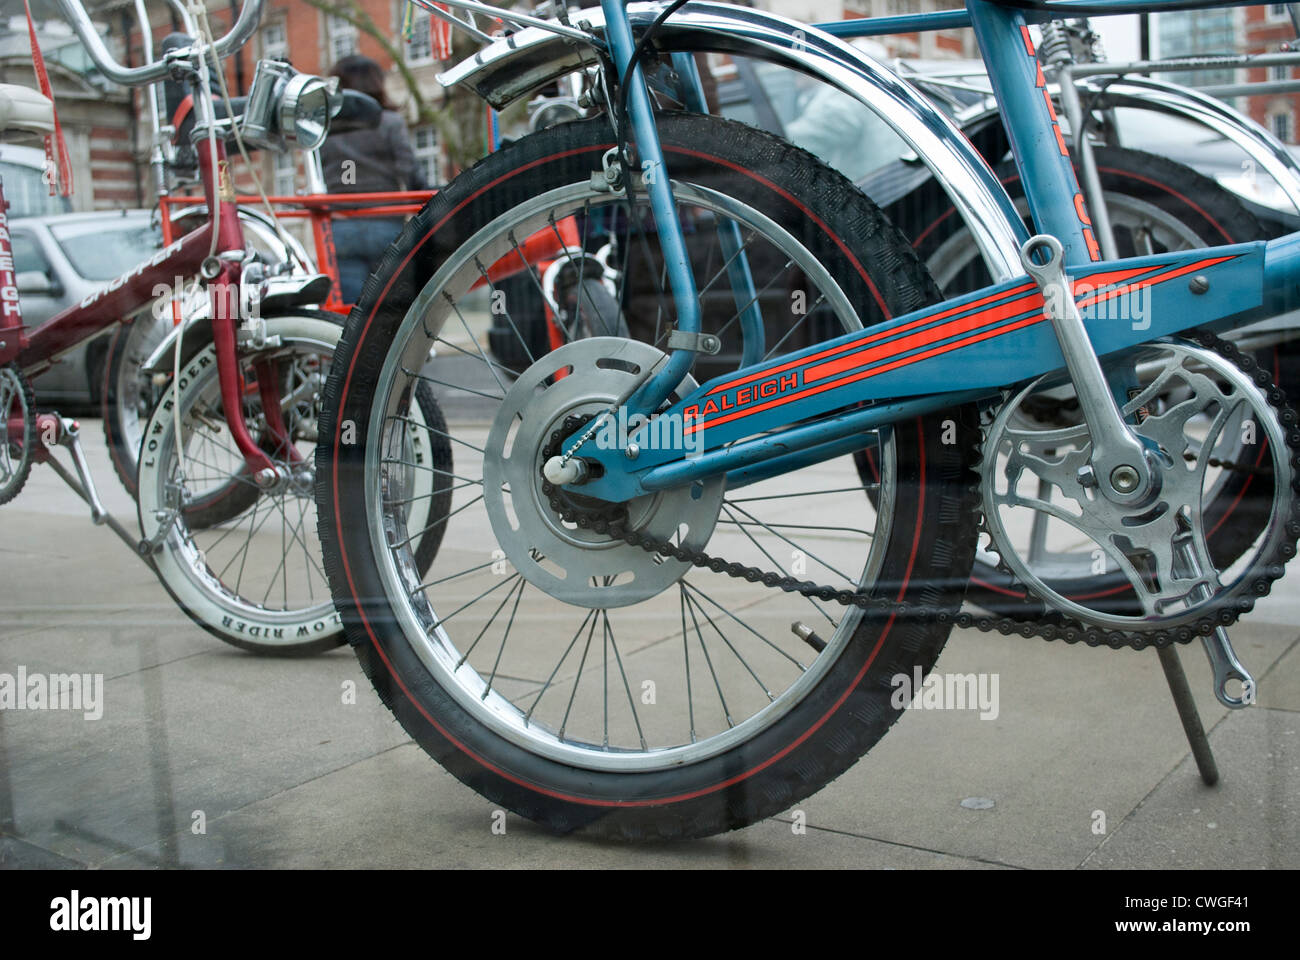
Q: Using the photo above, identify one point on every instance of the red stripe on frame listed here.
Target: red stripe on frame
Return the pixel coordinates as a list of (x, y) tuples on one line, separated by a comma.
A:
[(857, 344), (925, 338)]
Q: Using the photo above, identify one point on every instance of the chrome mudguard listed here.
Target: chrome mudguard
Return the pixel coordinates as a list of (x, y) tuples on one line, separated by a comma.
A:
[(277, 295), (514, 66), (1260, 146)]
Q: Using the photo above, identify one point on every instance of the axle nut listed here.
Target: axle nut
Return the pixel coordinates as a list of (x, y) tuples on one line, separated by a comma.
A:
[(1124, 479)]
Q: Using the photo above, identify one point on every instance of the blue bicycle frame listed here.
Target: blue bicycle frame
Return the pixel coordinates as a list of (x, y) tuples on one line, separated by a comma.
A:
[(976, 344)]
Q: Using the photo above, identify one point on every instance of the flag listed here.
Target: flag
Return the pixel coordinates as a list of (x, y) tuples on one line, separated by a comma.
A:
[(59, 168)]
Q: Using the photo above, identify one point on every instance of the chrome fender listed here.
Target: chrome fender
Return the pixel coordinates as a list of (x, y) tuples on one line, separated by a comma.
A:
[(514, 66), (1143, 93)]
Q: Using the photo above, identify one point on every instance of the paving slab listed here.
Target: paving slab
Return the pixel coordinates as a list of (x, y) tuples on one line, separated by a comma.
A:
[(398, 809), (1081, 734), (1249, 820), (296, 763), (209, 733)]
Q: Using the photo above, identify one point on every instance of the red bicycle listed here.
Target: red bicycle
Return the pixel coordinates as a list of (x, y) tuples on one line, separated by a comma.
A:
[(224, 477)]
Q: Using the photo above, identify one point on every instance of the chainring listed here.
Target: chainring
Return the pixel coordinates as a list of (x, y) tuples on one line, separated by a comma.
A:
[(1192, 409), (17, 405)]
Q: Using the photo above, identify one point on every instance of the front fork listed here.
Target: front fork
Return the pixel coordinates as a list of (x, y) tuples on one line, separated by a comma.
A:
[(223, 277), (681, 279), (224, 321)]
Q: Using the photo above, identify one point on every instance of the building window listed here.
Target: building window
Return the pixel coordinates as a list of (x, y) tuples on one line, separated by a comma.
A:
[(428, 153), (343, 38), (1278, 11), (419, 49), (285, 182), (1279, 72), (275, 42), (1280, 124)]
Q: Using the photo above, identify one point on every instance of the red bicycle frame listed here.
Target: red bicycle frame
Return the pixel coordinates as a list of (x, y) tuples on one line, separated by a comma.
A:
[(37, 350), (540, 250)]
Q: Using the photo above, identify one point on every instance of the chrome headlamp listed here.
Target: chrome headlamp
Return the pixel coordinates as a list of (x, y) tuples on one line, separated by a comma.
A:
[(287, 109)]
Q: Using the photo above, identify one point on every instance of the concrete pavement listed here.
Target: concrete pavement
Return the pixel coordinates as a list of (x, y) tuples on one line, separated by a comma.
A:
[(1086, 765)]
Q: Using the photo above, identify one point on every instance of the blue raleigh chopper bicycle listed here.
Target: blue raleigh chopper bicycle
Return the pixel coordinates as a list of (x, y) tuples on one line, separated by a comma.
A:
[(604, 641)]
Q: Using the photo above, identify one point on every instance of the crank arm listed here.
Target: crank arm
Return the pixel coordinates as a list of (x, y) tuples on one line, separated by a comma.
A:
[(1118, 458), (1226, 666), (1218, 648)]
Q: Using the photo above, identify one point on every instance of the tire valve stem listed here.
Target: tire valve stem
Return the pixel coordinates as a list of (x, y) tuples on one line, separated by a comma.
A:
[(808, 635)]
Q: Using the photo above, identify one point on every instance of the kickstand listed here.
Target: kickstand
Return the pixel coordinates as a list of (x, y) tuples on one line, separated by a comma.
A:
[(1188, 714), (67, 433)]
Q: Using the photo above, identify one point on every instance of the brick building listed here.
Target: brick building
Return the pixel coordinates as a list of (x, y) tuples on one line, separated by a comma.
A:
[(1266, 28)]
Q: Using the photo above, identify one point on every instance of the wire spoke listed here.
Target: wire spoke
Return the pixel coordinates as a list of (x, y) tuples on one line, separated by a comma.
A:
[(437, 523), (556, 669), (797, 546), (717, 685), (721, 609), (452, 386), (780, 566)]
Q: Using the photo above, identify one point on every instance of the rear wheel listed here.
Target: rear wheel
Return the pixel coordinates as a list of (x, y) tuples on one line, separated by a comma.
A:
[(578, 680)]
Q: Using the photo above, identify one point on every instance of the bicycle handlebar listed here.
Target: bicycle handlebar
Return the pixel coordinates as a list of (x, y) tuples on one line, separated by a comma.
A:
[(249, 17)]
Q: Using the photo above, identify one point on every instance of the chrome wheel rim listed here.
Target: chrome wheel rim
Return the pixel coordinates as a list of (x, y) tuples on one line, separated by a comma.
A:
[(476, 681)]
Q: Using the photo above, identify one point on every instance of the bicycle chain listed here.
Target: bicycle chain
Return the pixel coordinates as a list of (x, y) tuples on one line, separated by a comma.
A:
[(1053, 626)]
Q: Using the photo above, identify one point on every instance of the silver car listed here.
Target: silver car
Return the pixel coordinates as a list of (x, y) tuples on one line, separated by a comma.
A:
[(60, 259)]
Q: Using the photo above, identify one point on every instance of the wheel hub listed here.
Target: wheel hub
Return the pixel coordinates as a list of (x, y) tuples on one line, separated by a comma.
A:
[(570, 559)]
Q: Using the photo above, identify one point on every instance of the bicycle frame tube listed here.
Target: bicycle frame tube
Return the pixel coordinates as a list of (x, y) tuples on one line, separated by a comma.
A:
[(974, 345), (121, 299), (11, 314), (738, 272), (1055, 200), (1055, 10), (676, 260)]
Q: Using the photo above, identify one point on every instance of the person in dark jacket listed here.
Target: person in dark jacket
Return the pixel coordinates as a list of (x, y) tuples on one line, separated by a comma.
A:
[(367, 161)]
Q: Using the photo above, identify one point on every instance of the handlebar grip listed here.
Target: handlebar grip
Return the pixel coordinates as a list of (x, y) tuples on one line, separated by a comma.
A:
[(173, 90), (360, 111)]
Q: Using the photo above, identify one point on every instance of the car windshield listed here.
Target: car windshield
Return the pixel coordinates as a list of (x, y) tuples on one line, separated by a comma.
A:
[(106, 249), (837, 128)]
